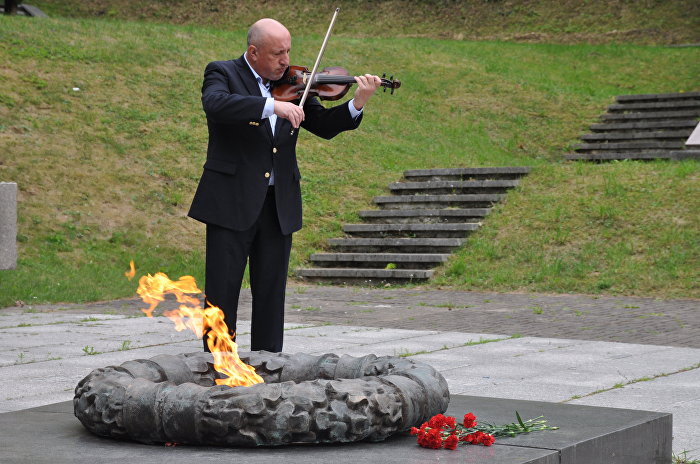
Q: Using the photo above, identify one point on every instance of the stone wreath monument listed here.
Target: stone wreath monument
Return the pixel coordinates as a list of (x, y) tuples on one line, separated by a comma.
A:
[(305, 399)]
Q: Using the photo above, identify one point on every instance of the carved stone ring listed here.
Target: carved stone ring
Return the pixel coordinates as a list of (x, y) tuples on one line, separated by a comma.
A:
[(305, 399)]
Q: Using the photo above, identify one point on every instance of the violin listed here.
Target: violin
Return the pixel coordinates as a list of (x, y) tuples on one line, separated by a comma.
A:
[(331, 83)]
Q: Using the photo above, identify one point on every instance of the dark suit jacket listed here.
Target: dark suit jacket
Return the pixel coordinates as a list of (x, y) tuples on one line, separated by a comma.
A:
[(242, 150)]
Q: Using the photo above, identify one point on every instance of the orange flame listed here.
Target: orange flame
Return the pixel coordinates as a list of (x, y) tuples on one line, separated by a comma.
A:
[(131, 272), (191, 315)]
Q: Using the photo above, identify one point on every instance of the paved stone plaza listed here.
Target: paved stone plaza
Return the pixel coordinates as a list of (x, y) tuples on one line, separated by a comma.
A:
[(633, 353)]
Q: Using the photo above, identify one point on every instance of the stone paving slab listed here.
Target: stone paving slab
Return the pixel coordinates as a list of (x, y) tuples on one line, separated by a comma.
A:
[(678, 394), (411, 346), (583, 317), (505, 367)]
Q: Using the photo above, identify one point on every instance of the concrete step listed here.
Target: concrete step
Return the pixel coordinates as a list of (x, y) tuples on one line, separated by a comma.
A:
[(655, 106), (436, 187), (651, 116), (438, 201), (405, 216), (681, 155), (638, 136), (410, 230), (670, 155), (379, 260), (512, 172), (645, 126), (652, 97), (629, 146), (344, 276), (396, 245)]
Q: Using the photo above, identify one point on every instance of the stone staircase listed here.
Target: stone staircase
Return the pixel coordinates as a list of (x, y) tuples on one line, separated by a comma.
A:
[(425, 218), (643, 127)]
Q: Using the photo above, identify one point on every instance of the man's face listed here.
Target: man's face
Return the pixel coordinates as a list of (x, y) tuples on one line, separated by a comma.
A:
[(271, 58)]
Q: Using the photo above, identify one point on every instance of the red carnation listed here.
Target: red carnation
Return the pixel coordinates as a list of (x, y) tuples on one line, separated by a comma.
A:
[(414, 431), (487, 440), (439, 421), (451, 442), (469, 420), (475, 438), (430, 439)]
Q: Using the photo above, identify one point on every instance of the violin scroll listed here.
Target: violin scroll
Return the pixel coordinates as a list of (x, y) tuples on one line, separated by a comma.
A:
[(390, 83)]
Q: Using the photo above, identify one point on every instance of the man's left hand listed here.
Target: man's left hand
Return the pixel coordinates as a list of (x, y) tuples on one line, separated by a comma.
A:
[(366, 86)]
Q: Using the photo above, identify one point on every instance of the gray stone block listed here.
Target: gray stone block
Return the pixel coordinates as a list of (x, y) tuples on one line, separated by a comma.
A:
[(611, 156), (506, 172), (437, 201), (405, 216), (624, 146), (453, 186), (31, 10), (657, 97), (648, 125), (8, 225), (586, 435), (650, 115), (661, 105), (364, 276), (379, 260), (396, 245), (684, 155), (636, 136), (411, 230)]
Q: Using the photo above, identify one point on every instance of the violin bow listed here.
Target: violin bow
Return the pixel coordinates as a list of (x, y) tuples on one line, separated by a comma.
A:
[(318, 60)]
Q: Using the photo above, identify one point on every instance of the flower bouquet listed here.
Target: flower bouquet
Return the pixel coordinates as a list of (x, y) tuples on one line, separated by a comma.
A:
[(444, 431)]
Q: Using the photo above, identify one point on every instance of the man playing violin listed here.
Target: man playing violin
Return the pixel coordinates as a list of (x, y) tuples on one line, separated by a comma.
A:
[(249, 195)]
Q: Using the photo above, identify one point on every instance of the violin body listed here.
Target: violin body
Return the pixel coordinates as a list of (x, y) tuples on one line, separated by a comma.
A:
[(331, 83)]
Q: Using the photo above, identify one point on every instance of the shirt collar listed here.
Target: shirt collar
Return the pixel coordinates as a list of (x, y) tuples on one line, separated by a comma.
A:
[(256, 75)]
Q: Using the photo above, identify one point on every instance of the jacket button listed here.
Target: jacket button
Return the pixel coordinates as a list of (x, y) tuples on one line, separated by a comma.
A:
[(267, 175), (274, 150)]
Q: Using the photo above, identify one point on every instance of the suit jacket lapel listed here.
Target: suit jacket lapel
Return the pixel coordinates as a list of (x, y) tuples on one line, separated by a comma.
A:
[(251, 86)]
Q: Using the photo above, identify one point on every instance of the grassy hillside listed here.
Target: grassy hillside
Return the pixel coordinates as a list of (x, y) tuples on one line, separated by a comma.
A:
[(561, 21), (106, 172)]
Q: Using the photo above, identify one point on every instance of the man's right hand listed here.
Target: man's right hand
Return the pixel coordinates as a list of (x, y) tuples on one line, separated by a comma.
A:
[(289, 111)]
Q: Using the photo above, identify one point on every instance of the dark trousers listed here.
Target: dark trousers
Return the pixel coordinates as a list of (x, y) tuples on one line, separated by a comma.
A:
[(267, 250)]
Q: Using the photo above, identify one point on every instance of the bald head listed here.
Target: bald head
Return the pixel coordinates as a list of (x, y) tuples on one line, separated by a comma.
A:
[(265, 29), (269, 44)]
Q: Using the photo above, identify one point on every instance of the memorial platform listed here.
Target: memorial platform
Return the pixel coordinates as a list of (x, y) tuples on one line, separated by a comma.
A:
[(587, 435)]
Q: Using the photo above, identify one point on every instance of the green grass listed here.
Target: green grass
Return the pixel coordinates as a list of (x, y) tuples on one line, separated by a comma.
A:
[(562, 21), (625, 228), (106, 173)]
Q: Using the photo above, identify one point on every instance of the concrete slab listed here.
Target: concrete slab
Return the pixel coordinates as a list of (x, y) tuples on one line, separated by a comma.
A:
[(382, 342), (678, 394), (410, 346), (587, 435)]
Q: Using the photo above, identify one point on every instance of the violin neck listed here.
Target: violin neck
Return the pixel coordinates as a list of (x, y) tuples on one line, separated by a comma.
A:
[(335, 79), (332, 79)]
